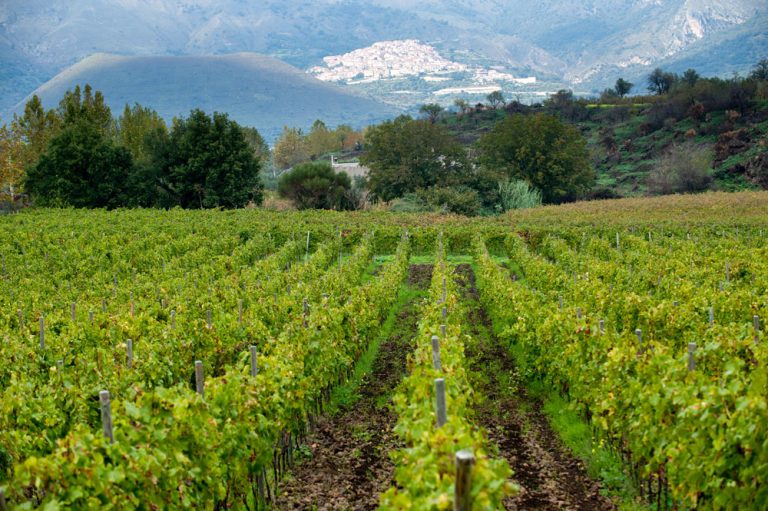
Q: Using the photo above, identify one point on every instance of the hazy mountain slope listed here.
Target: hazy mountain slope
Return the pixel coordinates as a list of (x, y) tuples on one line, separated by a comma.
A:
[(255, 90), (576, 40), (726, 52)]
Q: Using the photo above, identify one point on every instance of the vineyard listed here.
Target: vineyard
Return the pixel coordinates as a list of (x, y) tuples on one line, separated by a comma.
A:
[(260, 360)]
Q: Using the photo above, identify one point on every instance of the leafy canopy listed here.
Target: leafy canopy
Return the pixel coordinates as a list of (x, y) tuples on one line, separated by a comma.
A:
[(541, 150), (405, 155), (206, 162), (315, 185), (81, 168)]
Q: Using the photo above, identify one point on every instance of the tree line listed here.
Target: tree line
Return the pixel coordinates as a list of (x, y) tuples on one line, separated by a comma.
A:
[(79, 155)]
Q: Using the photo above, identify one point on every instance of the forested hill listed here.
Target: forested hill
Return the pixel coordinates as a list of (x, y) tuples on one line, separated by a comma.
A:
[(718, 126)]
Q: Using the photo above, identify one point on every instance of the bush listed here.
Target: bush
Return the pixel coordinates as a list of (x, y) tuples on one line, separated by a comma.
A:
[(603, 193), (683, 169), (518, 194), (315, 185), (461, 200), (410, 203)]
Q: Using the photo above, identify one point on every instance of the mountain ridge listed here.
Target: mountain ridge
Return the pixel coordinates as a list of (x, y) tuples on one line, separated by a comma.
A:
[(582, 42), (253, 89)]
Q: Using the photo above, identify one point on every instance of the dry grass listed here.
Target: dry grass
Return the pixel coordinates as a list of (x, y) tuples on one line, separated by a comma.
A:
[(715, 208), (273, 202)]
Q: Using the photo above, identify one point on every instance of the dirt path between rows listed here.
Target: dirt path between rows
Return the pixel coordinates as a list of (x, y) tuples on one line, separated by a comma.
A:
[(350, 465), (550, 477)]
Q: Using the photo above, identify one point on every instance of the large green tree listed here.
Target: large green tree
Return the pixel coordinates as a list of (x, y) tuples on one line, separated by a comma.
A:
[(622, 87), (760, 70), (82, 168), (205, 162), (314, 185), (541, 150), (660, 81), (291, 148), (405, 155), (134, 128), (432, 111), (85, 105), (35, 128)]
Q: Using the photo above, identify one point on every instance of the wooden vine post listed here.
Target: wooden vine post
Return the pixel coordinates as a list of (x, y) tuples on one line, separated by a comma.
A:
[(254, 364), (129, 352), (436, 364), (42, 333), (442, 413), (691, 356), (106, 415), (756, 325), (462, 498)]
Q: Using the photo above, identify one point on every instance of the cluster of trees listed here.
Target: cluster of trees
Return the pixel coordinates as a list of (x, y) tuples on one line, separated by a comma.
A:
[(419, 160), (78, 155), (294, 146)]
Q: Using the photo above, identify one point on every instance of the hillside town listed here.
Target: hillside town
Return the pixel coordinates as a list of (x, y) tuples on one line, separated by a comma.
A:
[(396, 59)]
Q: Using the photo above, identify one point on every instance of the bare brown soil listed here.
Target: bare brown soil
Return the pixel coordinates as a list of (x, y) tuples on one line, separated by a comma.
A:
[(548, 474), (350, 466)]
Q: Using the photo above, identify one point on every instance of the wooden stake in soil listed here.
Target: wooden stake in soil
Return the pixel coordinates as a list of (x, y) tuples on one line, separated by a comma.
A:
[(756, 325), (106, 415), (639, 334), (254, 363), (445, 313), (209, 319), (578, 312), (42, 333), (602, 326), (560, 301), (21, 319), (436, 353), (173, 319), (199, 378), (711, 316), (90, 317), (74, 311), (3, 504), (442, 332), (691, 356), (240, 311), (462, 499), (442, 414)]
